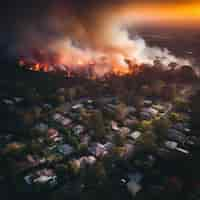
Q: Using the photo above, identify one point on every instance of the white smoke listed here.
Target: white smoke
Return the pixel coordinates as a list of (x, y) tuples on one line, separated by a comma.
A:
[(105, 44), (147, 55), (117, 38)]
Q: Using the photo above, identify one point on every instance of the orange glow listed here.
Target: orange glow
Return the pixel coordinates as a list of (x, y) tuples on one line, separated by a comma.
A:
[(80, 62), (175, 13), (113, 54), (120, 70), (115, 68), (37, 67)]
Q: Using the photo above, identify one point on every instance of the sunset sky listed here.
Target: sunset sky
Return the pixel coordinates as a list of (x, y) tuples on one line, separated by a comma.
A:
[(174, 13), (142, 11)]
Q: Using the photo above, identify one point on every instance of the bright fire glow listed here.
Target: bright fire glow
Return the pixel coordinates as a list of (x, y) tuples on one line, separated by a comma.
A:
[(107, 47), (185, 13)]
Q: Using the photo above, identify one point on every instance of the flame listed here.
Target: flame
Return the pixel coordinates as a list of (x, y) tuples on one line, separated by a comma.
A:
[(69, 64), (80, 62), (37, 67)]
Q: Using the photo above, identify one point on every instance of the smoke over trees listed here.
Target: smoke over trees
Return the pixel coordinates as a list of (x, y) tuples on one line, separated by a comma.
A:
[(95, 32)]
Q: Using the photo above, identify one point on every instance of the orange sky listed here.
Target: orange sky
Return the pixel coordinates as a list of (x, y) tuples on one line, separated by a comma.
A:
[(168, 13)]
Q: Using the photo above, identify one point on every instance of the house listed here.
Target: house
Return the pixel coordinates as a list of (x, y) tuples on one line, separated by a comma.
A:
[(65, 121), (124, 131), (91, 160), (47, 107), (98, 149), (179, 126), (152, 111), (108, 146), (135, 135), (77, 106), (57, 117), (87, 160), (114, 126), (131, 110), (85, 139), (89, 104), (145, 115), (131, 122), (90, 101), (64, 108), (182, 150), (145, 161), (44, 176), (65, 149), (27, 163), (18, 99), (8, 102), (34, 160), (129, 150), (171, 145), (147, 102), (28, 179), (109, 109), (176, 135), (192, 141), (78, 129), (60, 91), (133, 187), (44, 179), (159, 107), (184, 127), (134, 183), (41, 127), (52, 133), (5, 138)]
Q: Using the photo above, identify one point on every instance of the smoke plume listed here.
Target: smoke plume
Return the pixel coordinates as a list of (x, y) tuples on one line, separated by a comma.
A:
[(79, 32)]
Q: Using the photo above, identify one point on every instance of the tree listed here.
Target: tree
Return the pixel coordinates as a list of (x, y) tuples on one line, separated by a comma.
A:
[(74, 167), (181, 104), (145, 126), (94, 175), (169, 92), (138, 101), (72, 92), (85, 116), (176, 117), (100, 170), (146, 90), (97, 124), (157, 87), (160, 127), (27, 118), (119, 140), (195, 108), (60, 99), (121, 112), (36, 147), (37, 112), (73, 140), (119, 151), (62, 170), (147, 140), (33, 97), (15, 149)]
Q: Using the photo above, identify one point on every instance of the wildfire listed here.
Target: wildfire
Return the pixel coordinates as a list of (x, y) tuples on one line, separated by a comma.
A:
[(83, 65), (94, 43)]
